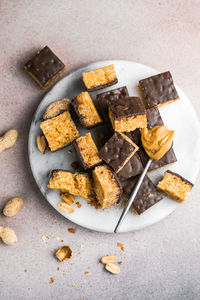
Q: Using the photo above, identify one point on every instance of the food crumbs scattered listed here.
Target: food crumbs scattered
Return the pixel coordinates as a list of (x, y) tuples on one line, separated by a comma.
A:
[(71, 230), (121, 246), (120, 262), (69, 151), (51, 280), (26, 270), (89, 268), (86, 272), (94, 203), (75, 165), (44, 238), (73, 286), (92, 243), (78, 204), (58, 268), (57, 238), (62, 241)]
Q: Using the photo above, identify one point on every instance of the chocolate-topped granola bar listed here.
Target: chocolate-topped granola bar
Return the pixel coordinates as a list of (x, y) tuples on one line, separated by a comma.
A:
[(100, 78), (44, 67), (127, 114), (59, 131), (117, 151), (106, 186), (146, 197), (78, 184), (104, 99), (158, 89), (86, 110), (87, 151), (175, 186)]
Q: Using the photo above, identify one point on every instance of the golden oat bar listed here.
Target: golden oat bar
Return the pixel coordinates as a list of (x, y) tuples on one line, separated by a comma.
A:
[(158, 90), (106, 186), (117, 151), (175, 186), (86, 110), (87, 151), (100, 78), (59, 131), (44, 67), (127, 114), (78, 184)]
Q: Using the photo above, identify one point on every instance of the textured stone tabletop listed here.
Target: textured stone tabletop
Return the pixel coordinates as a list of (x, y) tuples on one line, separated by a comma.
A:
[(160, 262)]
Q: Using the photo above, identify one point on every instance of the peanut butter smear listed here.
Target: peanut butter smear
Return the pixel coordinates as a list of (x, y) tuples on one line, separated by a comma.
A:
[(157, 141)]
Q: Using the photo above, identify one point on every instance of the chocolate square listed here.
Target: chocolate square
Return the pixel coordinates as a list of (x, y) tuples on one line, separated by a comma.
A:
[(158, 89), (117, 151), (127, 107), (132, 168), (104, 99), (102, 134), (146, 197), (44, 66), (135, 136)]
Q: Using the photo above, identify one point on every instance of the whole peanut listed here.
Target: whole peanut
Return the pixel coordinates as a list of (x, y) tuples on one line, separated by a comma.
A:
[(8, 236), (12, 207), (8, 139)]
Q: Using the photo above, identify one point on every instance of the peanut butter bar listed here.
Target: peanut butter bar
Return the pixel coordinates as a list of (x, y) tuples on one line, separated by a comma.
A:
[(175, 186), (117, 151), (106, 186), (146, 197), (87, 151), (44, 67), (100, 78), (59, 131), (127, 114), (78, 184), (86, 110), (158, 90), (104, 99)]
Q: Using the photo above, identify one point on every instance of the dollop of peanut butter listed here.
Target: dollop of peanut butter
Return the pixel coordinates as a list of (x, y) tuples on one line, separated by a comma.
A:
[(157, 141)]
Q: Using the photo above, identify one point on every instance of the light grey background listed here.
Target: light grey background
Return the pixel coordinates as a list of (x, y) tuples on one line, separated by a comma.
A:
[(160, 262)]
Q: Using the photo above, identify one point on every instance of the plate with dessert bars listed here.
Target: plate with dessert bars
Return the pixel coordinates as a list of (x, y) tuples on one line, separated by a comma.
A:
[(95, 155)]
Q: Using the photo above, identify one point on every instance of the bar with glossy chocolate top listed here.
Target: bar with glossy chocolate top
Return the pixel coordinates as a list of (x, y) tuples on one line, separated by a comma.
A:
[(104, 99), (158, 89), (44, 67), (146, 197)]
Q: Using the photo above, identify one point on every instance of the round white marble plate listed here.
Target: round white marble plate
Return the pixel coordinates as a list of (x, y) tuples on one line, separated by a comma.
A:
[(179, 116)]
